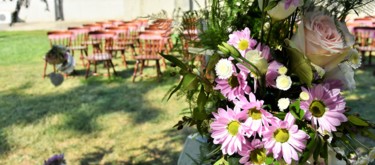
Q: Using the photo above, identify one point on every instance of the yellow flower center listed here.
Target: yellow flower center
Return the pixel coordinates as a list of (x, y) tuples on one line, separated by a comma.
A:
[(254, 114), (233, 127), (281, 135), (304, 96), (317, 108), (258, 156), (283, 70), (243, 44), (233, 81)]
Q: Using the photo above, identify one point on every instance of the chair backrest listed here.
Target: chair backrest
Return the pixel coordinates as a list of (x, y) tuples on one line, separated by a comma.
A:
[(132, 30), (59, 38), (105, 40), (105, 24), (150, 44), (116, 23), (93, 26), (122, 35), (79, 35), (365, 36)]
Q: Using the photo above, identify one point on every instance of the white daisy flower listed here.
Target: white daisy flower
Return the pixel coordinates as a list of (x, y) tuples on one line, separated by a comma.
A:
[(283, 104), (224, 69), (283, 82)]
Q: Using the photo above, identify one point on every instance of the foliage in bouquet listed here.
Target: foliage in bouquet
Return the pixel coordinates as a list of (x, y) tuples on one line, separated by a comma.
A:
[(272, 92), (57, 54)]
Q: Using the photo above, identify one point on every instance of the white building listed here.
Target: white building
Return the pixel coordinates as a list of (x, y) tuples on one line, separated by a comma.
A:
[(95, 10)]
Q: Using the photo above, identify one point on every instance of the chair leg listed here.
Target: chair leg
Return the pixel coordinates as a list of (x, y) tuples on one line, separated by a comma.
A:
[(82, 58), (124, 58), (164, 64), (135, 70), (369, 58), (45, 69), (54, 68), (142, 66), (113, 67), (95, 67), (107, 62), (158, 72), (363, 57), (133, 50), (87, 69)]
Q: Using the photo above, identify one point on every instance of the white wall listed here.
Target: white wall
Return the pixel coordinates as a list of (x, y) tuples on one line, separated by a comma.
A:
[(97, 10)]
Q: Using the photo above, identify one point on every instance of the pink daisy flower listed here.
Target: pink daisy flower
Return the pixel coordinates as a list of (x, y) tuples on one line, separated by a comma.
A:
[(256, 116), (227, 130), (253, 154), (325, 107), (242, 40), (234, 86), (284, 139)]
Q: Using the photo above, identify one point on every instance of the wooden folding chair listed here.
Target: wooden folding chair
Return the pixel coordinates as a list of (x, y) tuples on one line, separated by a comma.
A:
[(365, 38), (102, 53), (61, 38), (78, 42), (150, 45)]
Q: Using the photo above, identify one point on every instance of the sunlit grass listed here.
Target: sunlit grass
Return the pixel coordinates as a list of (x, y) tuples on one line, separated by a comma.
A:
[(98, 120)]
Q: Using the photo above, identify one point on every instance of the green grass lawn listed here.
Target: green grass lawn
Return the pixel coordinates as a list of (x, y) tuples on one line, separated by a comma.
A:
[(98, 120)]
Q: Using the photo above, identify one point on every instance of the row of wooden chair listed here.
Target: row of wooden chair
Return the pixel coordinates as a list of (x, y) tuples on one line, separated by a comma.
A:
[(109, 38), (365, 41)]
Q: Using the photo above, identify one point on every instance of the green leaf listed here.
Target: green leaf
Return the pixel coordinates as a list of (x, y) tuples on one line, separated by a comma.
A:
[(310, 148), (233, 160), (198, 114), (221, 161), (280, 115), (233, 51), (299, 65), (324, 152), (271, 5), (368, 134), (175, 89), (357, 121), (202, 99), (296, 111), (190, 81), (317, 151), (212, 62), (174, 60), (269, 160)]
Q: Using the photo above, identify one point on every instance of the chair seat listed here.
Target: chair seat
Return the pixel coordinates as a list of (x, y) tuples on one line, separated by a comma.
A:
[(366, 48), (116, 48), (77, 47), (147, 57), (99, 57), (125, 43)]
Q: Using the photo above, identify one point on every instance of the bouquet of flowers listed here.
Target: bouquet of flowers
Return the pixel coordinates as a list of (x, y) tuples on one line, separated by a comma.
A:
[(272, 92)]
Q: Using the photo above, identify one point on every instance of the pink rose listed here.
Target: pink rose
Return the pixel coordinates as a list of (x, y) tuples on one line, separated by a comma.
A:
[(319, 39)]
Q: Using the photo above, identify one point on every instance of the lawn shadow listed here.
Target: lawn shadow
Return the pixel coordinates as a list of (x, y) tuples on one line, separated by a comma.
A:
[(95, 157), (361, 99), (158, 151), (80, 106)]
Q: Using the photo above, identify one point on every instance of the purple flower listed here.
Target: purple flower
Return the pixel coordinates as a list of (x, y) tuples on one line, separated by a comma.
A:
[(291, 2), (55, 160), (242, 40), (324, 106)]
